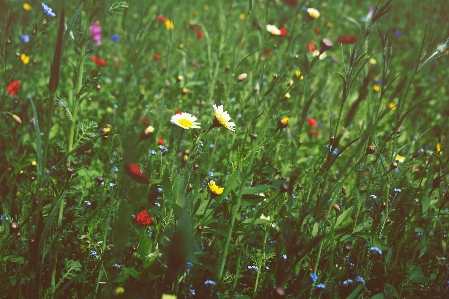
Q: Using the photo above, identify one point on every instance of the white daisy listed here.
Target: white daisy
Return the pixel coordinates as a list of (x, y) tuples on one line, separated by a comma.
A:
[(185, 121), (273, 30), (222, 118)]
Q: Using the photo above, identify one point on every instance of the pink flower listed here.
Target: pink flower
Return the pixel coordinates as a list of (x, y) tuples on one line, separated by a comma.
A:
[(95, 29)]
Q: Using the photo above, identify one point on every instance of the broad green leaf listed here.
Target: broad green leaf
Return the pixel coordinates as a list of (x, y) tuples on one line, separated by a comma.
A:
[(131, 271), (256, 190), (344, 219)]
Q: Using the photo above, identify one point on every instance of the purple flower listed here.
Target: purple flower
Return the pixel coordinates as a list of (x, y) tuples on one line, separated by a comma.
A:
[(48, 11), (398, 33), (115, 38)]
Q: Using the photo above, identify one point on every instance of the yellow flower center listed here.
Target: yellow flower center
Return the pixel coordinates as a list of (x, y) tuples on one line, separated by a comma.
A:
[(185, 123)]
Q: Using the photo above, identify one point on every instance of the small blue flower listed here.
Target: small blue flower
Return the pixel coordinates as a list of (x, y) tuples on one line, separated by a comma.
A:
[(359, 280), (115, 38), (153, 152), (93, 254), (48, 11), (375, 251), (397, 190), (253, 268), (284, 256), (210, 283), (372, 197), (163, 149), (189, 265), (211, 174), (25, 38), (347, 282), (398, 33), (313, 277), (320, 287), (192, 292), (117, 266)]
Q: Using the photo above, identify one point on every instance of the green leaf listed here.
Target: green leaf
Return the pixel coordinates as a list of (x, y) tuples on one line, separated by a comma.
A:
[(378, 296), (256, 190), (167, 187), (179, 190), (344, 219), (16, 260), (131, 271), (40, 160), (232, 183), (144, 247), (70, 25), (390, 291), (355, 292)]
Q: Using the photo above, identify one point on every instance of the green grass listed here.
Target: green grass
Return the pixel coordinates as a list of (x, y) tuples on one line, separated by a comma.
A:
[(335, 181)]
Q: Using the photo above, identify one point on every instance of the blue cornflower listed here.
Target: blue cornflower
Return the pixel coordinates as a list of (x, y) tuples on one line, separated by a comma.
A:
[(115, 38), (320, 286), (359, 280), (210, 282), (375, 251), (48, 11), (313, 277), (25, 38)]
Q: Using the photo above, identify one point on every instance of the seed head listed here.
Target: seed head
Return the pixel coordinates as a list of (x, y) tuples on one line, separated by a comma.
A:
[(242, 77)]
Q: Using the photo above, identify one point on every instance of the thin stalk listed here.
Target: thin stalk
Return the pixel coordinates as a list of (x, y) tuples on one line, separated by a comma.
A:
[(261, 261)]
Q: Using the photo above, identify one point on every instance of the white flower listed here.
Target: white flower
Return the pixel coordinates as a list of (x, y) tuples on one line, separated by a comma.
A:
[(222, 118), (273, 30), (185, 120), (313, 13), (263, 217)]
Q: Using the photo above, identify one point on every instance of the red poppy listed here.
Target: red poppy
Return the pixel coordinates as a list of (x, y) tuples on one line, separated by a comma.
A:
[(315, 132), (267, 52), (291, 2), (312, 122), (134, 172), (143, 218), (160, 141), (194, 27), (157, 56), (99, 61), (145, 121), (178, 112), (283, 31), (317, 30), (161, 19), (347, 39), (310, 47), (13, 87), (199, 34)]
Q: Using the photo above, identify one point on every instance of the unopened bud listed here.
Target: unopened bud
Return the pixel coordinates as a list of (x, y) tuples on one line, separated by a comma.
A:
[(282, 123), (242, 77), (336, 207), (16, 118), (370, 149), (326, 44)]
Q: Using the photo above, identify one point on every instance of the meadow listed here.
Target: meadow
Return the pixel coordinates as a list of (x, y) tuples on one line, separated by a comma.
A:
[(224, 149)]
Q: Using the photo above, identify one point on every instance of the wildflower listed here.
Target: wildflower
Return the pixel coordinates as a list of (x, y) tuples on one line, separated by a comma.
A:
[(13, 87), (160, 141), (376, 88), (438, 148), (95, 29), (185, 121), (157, 56), (273, 30), (347, 39), (397, 190), (26, 6), (375, 251), (25, 38), (115, 38), (210, 283), (370, 149), (98, 61), (47, 10), (315, 132), (214, 189), (372, 61), (392, 106), (282, 123), (161, 19), (263, 217), (222, 119), (199, 34), (135, 173), (313, 277), (146, 133), (298, 75), (320, 286), (242, 16), (312, 122), (316, 53), (400, 158), (310, 47), (267, 52), (169, 25), (326, 44), (317, 30), (359, 280), (25, 59), (143, 219), (313, 13), (283, 31)]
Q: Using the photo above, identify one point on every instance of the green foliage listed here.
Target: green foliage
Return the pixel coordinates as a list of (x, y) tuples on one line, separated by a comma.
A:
[(338, 165)]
